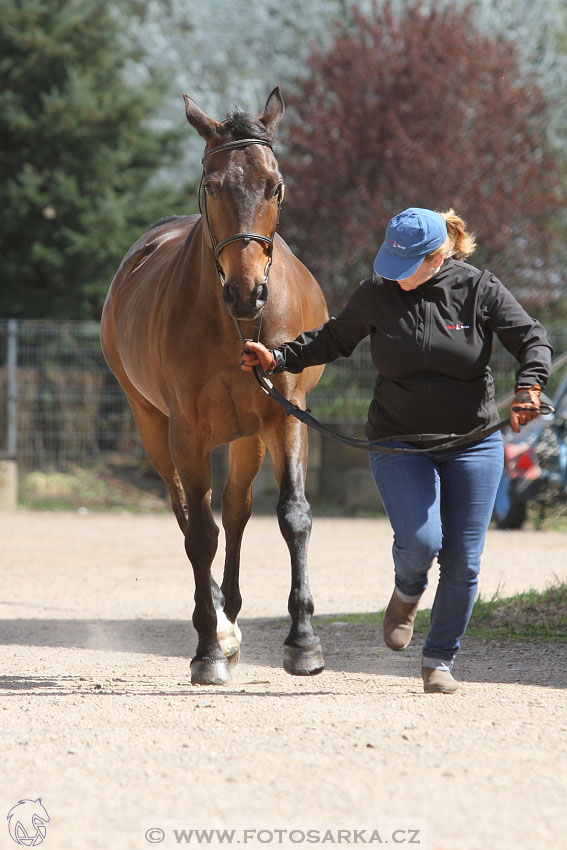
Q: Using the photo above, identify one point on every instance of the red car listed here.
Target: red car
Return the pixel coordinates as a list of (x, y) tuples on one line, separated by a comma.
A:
[(535, 465)]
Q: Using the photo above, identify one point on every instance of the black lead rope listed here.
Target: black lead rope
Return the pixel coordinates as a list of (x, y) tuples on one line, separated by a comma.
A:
[(450, 441)]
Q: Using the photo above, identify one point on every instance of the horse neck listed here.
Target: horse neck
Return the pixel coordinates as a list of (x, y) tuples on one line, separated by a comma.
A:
[(199, 270)]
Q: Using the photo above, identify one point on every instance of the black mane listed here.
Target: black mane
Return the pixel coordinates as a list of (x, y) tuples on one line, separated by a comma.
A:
[(165, 220), (241, 125)]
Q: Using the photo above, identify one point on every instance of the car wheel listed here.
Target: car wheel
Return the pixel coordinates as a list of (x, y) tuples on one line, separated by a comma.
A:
[(509, 511)]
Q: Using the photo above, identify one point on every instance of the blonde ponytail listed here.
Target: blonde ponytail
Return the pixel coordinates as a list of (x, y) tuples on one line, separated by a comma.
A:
[(459, 244)]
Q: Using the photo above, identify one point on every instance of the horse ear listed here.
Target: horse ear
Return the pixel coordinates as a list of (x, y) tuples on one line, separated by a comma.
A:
[(204, 125), (273, 111)]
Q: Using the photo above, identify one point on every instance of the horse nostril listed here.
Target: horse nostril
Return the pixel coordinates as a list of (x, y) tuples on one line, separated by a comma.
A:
[(261, 293), (230, 293), (251, 303)]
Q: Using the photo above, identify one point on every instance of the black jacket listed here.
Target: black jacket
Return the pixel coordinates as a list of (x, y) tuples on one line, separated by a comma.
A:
[(431, 347)]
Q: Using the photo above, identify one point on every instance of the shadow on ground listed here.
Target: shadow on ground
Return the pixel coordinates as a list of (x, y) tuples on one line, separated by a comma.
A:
[(348, 648)]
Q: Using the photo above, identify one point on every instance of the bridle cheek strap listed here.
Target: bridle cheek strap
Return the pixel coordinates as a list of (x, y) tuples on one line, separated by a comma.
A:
[(246, 238), (267, 241)]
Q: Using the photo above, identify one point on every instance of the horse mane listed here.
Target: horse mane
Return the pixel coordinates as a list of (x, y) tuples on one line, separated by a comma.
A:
[(241, 125), (165, 220)]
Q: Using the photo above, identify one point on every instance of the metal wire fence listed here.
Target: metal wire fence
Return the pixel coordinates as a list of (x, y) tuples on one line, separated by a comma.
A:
[(60, 406)]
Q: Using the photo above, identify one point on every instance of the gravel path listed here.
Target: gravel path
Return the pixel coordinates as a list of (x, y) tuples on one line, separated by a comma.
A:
[(99, 720)]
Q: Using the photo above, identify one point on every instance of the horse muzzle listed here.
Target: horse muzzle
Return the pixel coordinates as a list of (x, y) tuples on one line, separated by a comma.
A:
[(248, 307)]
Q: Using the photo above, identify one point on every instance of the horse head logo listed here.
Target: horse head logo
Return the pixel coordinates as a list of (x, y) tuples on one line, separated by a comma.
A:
[(26, 822)]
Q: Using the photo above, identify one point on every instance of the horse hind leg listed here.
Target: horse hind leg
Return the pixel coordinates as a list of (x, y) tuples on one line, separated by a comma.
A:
[(303, 653), (245, 459), (229, 635)]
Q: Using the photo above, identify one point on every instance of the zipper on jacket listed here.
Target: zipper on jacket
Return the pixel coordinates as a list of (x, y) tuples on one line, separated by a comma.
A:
[(428, 307), (420, 334), (427, 332)]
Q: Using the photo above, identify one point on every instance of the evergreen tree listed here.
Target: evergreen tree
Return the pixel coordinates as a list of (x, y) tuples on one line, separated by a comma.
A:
[(78, 153)]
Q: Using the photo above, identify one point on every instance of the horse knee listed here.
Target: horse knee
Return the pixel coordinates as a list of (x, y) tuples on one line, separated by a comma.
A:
[(294, 517), (300, 602)]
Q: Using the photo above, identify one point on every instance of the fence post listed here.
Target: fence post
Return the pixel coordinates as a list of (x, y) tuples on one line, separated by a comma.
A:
[(12, 364), (8, 464)]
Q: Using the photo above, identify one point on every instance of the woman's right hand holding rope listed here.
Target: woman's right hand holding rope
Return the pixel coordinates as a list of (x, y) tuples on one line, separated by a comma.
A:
[(256, 354)]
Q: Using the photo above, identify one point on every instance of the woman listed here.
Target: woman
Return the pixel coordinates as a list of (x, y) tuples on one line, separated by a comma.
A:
[(431, 317)]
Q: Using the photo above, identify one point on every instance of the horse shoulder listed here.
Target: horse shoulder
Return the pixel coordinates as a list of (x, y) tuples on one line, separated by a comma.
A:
[(132, 317), (165, 235), (296, 275)]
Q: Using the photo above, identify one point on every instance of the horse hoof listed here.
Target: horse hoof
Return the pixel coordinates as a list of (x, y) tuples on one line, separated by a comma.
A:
[(229, 635), (229, 644), (209, 671), (307, 661), (234, 658)]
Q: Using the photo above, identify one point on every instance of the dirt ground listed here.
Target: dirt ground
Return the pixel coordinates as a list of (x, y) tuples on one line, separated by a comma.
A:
[(98, 718)]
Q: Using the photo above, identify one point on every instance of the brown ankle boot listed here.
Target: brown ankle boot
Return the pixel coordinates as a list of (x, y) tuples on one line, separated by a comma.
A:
[(398, 622), (437, 681)]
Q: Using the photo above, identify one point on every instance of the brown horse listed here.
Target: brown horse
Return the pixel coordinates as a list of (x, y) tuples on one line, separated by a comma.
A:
[(170, 335)]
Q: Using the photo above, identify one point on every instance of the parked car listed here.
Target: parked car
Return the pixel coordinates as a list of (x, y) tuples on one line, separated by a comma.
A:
[(535, 465)]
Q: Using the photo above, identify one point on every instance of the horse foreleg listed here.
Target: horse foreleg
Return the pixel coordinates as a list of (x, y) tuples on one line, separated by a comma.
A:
[(245, 459), (303, 654), (209, 665)]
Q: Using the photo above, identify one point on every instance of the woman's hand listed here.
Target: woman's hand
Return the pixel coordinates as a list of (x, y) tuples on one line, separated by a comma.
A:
[(525, 406), (256, 354)]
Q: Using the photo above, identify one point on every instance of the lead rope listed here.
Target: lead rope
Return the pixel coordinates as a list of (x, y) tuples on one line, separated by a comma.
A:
[(451, 441)]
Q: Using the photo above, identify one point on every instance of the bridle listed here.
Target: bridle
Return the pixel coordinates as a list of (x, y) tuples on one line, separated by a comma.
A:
[(267, 241)]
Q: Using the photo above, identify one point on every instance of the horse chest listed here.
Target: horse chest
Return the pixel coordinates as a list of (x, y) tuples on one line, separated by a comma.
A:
[(222, 411)]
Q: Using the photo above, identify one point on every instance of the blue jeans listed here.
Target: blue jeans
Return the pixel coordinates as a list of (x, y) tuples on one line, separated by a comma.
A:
[(439, 505)]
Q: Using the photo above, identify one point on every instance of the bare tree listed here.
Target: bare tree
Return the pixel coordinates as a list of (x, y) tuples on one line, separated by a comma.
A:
[(419, 109)]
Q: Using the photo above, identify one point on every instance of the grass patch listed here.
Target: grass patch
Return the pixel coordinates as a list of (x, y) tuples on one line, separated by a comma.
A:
[(85, 489), (532, 615)]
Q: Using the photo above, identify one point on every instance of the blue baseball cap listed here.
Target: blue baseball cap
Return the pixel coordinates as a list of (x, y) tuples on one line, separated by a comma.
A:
[(410, 236)]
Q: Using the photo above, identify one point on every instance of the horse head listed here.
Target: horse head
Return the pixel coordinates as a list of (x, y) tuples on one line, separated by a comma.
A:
[(240, 197)]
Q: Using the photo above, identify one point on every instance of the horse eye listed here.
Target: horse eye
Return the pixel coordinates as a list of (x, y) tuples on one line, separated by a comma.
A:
[(209, 189), (278, 192)]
